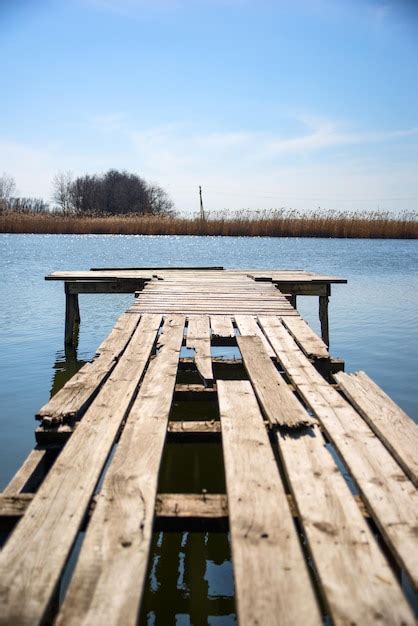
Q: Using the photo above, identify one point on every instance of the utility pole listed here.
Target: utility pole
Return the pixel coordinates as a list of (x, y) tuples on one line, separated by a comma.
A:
[(202, 211)]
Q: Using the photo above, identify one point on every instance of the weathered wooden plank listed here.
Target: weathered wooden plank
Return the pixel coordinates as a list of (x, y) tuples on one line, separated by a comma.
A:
[(199, 426), (270, 572), (311, 344), (24, 473), (33, 558), (116, 547), (191, 505), (14, 505), (198, 339), (392, 425), (73, 398), (391, 498), (279, 404), (194, 392), (358, 584), (247, 326)]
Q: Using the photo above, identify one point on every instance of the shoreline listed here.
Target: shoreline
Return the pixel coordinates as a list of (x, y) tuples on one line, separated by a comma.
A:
[(339, 226)]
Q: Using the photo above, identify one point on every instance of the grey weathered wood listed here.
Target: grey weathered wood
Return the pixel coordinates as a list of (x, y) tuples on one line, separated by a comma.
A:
[(14, 505), (390, 496), (72, 319), (198, 339), (279, 404), (200, 426), (247, 326), (69, 401), (191, 505), (392, 425), (271, 576), (349, 563), (33, 558), (305, 337), (323, 318), (114, 555)]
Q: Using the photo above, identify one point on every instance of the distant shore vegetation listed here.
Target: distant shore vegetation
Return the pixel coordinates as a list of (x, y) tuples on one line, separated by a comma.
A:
[(120, 203)]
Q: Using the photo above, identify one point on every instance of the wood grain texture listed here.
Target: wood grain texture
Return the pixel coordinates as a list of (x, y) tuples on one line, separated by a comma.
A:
[(311, 344), (33, 558), (392, 425), (279, 404), (390, 496), (191, 505), (247, 326), (271, 576), (79, 390), (115, 552), (358, 584), (198, 339)]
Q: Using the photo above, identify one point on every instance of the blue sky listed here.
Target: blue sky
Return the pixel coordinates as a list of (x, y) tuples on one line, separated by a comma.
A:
[(300, 103)]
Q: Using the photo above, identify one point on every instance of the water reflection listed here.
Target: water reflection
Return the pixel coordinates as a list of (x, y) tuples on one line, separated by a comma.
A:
[(66, 365), (190, 580)]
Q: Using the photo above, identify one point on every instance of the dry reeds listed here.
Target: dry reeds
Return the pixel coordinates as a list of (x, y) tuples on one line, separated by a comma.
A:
[(373, 225)]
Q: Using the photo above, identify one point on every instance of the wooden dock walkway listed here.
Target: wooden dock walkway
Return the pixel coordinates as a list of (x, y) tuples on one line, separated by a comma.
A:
[(321, 467)]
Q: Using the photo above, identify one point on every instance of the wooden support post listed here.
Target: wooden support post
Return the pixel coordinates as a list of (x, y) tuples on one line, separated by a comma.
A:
[(72, 317), (292, 300), (323, 316)]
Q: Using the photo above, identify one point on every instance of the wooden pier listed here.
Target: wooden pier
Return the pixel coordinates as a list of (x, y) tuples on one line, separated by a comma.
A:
[(321, 467), (294, 282)]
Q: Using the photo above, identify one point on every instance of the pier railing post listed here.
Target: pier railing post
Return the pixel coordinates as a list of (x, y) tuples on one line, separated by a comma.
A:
[(323, 316), (72, 317)]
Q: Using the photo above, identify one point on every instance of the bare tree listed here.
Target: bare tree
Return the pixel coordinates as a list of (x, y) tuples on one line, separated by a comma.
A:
[(7, 189), (62, 193), (159, 202)]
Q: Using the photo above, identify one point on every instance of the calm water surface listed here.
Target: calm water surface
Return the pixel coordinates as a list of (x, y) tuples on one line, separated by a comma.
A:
[(373, 326)]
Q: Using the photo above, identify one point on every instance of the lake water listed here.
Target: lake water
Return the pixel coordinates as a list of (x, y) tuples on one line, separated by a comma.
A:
[(373, 326)]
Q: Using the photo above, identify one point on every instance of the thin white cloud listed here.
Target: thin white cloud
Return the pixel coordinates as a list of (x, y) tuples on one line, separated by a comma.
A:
[(182, 147), (241, 169)]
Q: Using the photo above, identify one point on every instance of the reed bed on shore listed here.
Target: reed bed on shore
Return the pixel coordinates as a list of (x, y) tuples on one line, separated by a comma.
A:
[(282, 223)]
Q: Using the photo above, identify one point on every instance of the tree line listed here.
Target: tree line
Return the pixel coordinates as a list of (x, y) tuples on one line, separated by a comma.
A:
[(112, 193)]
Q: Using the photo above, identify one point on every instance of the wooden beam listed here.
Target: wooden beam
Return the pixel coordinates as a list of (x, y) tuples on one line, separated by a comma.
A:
[(392, 425), (80, 390), (115, 551), (34, 556), (279, 404), (72, 318), (247, 326), (271, 575), (323, 318), (348, 560), (390, 497), (306, 338), (198, 339)]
